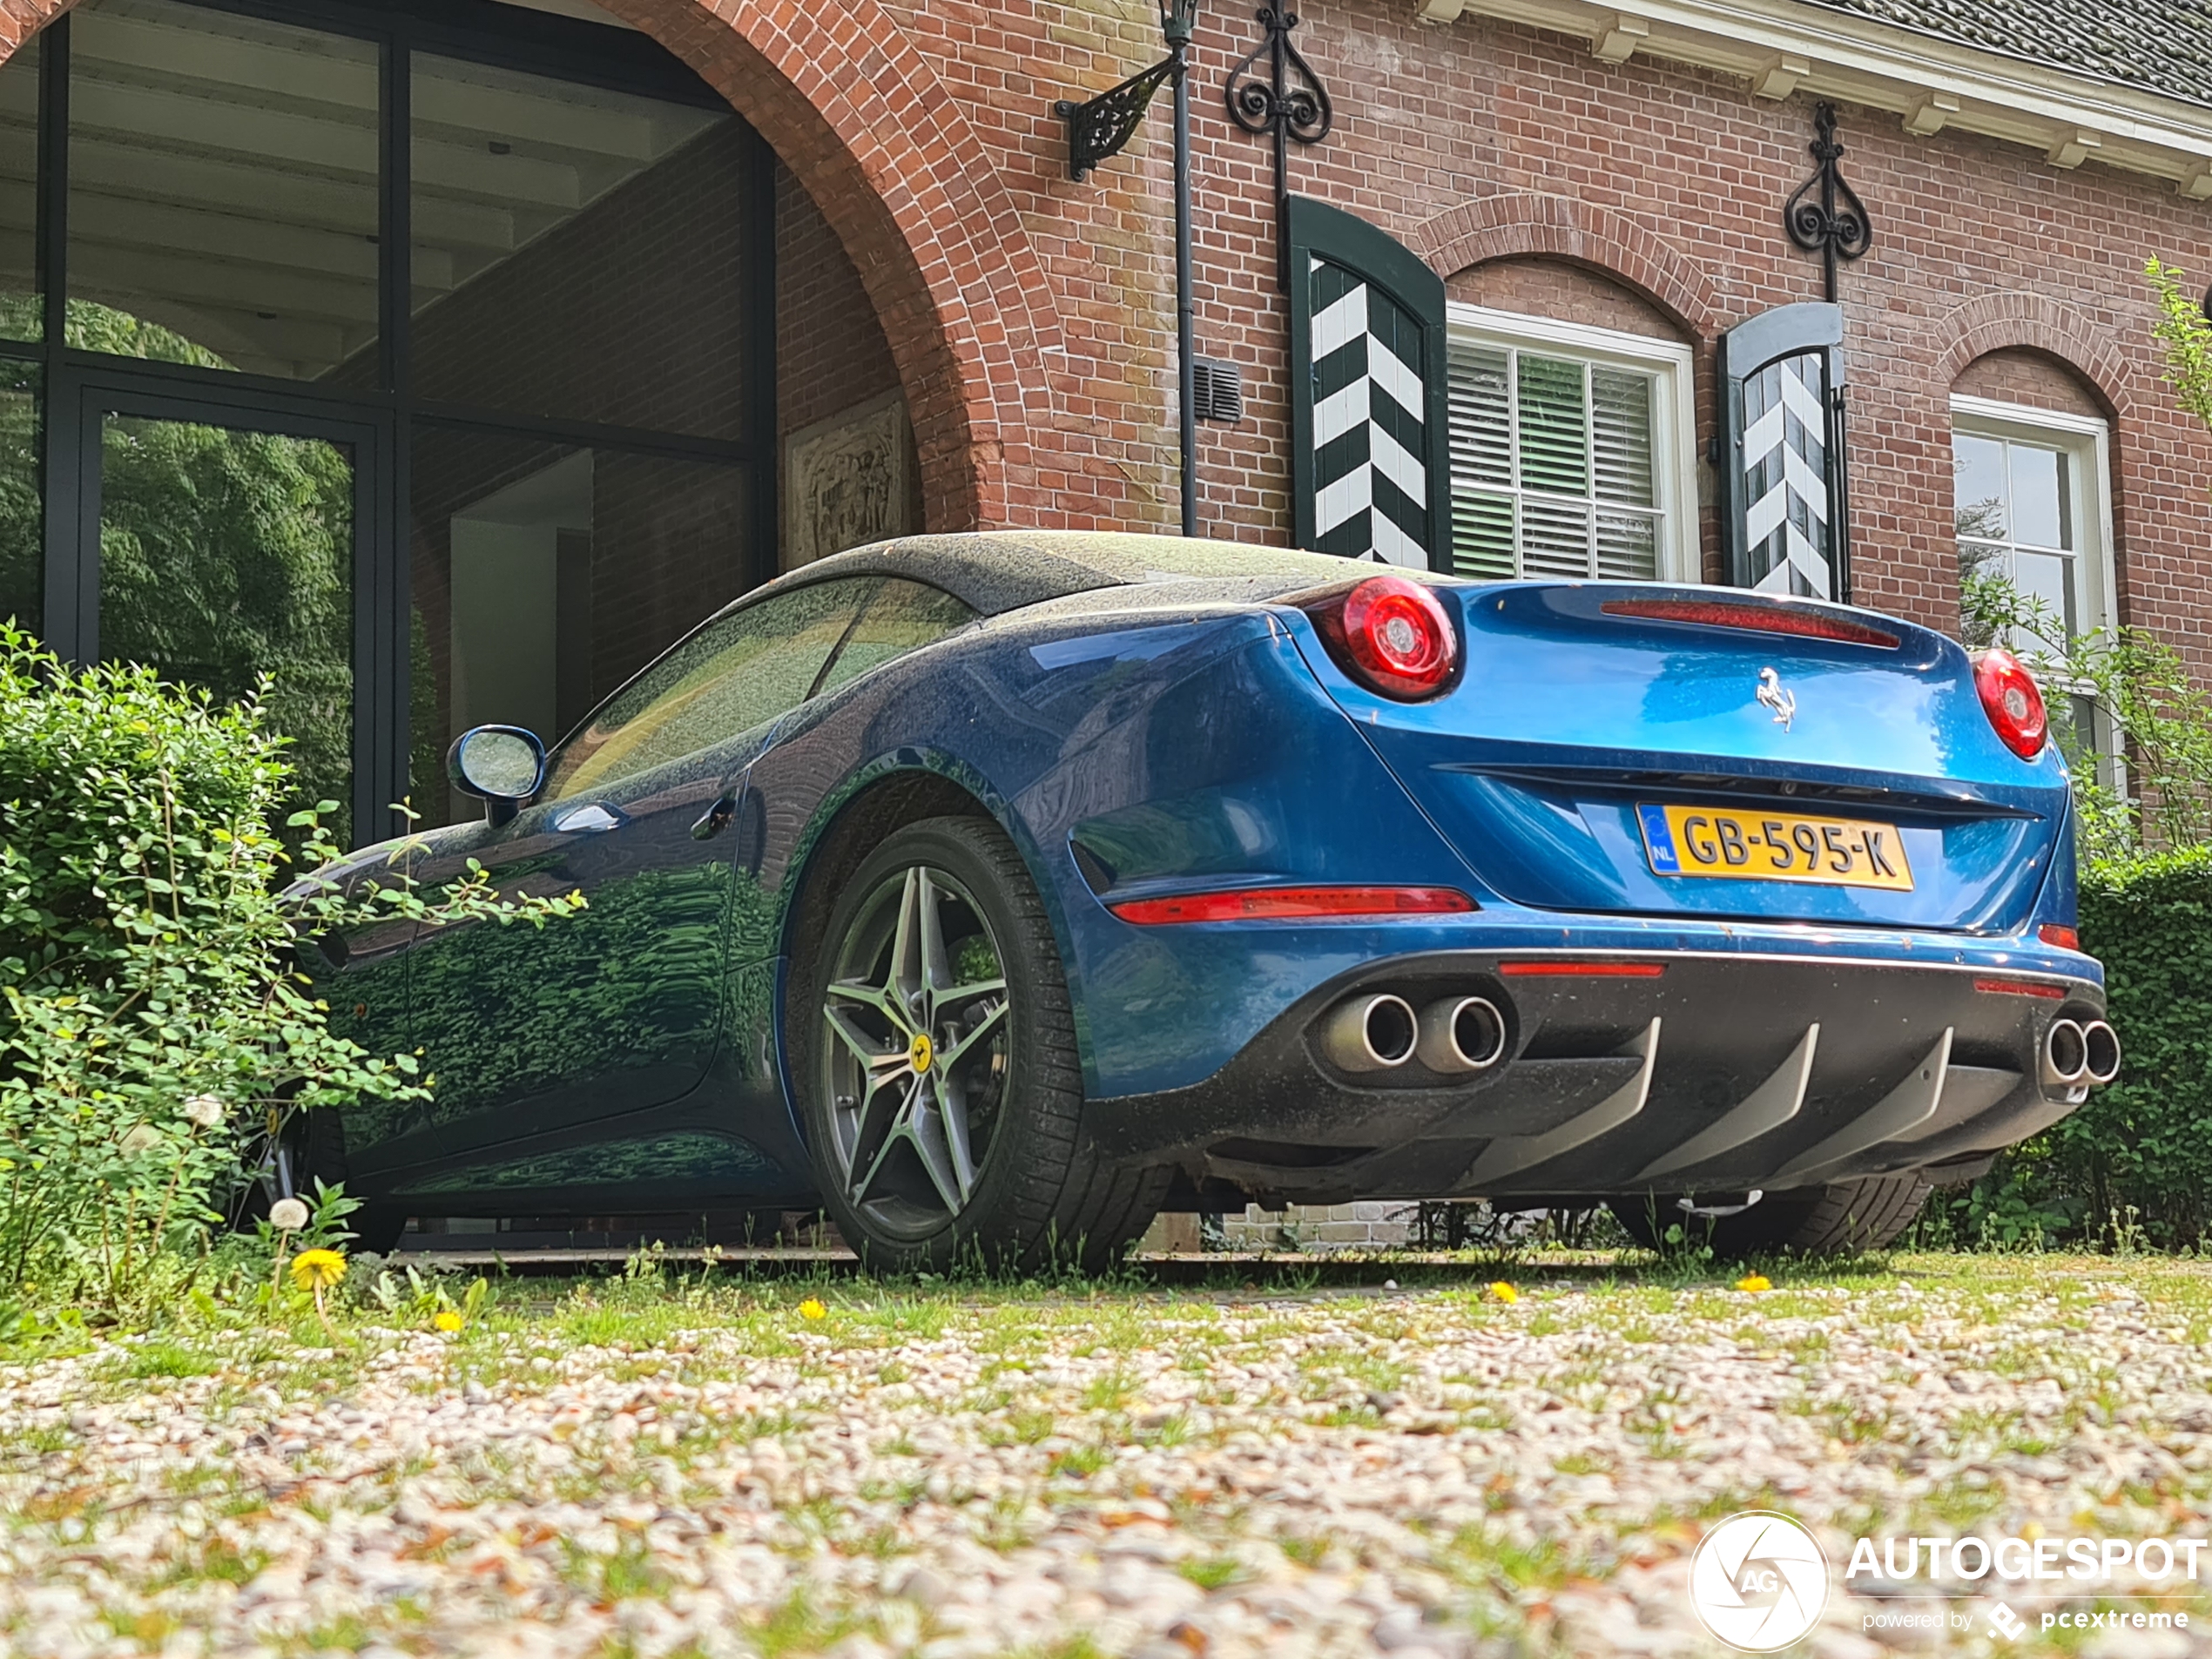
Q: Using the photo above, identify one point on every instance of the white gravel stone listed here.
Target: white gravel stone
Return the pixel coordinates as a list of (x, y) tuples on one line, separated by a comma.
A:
[(1428, 1475)]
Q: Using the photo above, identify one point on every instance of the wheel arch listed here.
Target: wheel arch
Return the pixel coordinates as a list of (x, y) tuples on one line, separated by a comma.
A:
[(902, 788)]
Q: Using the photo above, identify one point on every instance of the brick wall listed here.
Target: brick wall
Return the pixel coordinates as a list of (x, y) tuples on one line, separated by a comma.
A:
[(1481, 141)]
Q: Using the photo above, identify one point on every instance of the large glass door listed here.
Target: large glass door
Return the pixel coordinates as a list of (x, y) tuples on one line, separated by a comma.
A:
[(219, 546)]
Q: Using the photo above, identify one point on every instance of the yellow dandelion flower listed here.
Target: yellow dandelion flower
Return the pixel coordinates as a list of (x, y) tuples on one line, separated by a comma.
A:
[(1501, 1291), (1752, 1284), (812, 1309), (315, 1270), (449, 1321)]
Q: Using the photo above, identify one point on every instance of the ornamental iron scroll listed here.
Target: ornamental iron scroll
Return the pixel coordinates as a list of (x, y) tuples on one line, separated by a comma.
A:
[(1098, 127), (1286, 101), (1826, 215)]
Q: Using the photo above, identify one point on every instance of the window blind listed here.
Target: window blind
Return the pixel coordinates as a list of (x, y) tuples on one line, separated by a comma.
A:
[(1553, 467)]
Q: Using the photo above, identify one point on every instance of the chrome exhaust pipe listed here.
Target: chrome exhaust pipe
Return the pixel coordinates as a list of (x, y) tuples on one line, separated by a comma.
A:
[(1370, 1032), (2100, 1053), (1461, 1033), (2066, 1055)]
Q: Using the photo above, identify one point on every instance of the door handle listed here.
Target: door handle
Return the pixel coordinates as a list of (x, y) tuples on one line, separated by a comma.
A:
[(590, 820), (715, 819)]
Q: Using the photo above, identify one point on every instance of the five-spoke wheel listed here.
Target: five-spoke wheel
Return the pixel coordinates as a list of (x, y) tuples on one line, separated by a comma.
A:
[(933, 1049), (914, 1063)]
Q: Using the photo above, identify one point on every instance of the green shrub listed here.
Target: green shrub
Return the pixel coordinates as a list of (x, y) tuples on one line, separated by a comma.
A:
[(2140, 1153), (151, 1026)]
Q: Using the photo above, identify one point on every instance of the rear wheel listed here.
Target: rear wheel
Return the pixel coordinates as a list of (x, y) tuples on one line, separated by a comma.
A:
[(1836, 1219), (934, 1051)]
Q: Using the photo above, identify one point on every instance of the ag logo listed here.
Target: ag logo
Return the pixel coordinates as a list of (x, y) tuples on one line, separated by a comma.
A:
[(1758, 1582)]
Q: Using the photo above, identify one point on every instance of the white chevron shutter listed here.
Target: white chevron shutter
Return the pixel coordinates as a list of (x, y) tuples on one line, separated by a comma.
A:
[(1369, 461), (1784, 488)]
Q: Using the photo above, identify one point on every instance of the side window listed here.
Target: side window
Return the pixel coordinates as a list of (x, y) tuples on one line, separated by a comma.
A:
[(730, 676), (901, 617)]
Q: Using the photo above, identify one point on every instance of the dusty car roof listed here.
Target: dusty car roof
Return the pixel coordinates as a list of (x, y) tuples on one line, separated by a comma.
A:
[(1002, 570)]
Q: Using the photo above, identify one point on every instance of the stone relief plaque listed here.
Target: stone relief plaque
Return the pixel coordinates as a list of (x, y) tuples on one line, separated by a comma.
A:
[(845, 481)]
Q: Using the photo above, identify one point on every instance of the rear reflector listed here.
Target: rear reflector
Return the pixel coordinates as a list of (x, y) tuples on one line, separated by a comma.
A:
[(1761, 619), (2021, 987), (2065, 938), (1269, 904), (1581, 970)]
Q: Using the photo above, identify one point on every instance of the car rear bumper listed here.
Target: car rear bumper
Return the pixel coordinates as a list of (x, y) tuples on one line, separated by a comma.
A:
[(1626, 1072)]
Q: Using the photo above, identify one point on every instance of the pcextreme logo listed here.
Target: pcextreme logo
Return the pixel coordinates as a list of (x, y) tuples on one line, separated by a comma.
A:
[(1758, 1582)]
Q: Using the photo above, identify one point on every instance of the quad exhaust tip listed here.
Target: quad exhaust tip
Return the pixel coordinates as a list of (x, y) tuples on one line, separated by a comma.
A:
[(1372, 1033), (2078, 1054), (1460, 1034), (2101, 1052)]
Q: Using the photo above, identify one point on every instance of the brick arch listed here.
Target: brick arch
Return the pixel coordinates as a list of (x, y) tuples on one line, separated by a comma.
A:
[(2000, 321), (873, 134), (1525, 222)]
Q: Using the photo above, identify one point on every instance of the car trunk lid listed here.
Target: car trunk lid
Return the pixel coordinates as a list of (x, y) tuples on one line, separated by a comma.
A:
[(1676, 751)]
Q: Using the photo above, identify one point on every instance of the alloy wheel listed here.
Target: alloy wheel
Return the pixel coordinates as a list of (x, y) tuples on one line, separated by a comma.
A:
[(915, 1067)]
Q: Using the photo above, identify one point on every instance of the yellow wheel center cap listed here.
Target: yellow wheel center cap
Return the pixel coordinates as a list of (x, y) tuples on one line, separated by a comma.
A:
[(920, 1053)]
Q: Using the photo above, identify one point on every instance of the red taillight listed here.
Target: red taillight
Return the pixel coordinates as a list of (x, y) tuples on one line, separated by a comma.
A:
[(2011, 699), (2065, 938), (1759, 618), (1267, 904), (1392, 635)]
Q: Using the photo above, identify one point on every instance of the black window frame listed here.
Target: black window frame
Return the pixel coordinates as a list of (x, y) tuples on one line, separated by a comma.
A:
[(77, 387)]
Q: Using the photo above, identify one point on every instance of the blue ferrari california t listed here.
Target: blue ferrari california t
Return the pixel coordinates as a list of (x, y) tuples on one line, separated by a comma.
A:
[(992, 892)]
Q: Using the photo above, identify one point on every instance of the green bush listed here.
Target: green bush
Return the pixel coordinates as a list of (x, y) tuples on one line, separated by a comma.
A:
[(2139, 1155), (150, 1026)]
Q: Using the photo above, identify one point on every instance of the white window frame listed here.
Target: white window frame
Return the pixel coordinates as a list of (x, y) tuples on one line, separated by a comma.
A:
[(1673, 414), (2085, 441)]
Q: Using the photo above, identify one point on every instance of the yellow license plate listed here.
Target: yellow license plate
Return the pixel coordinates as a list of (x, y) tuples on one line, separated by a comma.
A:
[(1774, 846)]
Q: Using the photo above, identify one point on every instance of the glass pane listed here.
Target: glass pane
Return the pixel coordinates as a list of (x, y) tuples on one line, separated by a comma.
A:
[(1554, 436), (227, 554), (23, 549), (1481, 416), (729, 677), (2050, 578), (578, 252), (1977, 466), (1628, 546), (543, 575), (2040, 516), (1554, 538), (902, 617), (1482, 536), (1621, 430), (20, 316), (222, 206)]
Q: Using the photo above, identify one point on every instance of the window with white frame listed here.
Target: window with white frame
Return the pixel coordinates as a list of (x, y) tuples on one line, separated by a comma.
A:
[(2032, 505), (1572, 451)]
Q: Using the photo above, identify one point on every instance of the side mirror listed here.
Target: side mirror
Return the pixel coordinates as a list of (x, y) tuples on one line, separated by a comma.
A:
[(502, 764)]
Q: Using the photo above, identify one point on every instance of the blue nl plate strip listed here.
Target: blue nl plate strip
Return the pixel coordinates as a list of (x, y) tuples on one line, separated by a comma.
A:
[(1658, 839)]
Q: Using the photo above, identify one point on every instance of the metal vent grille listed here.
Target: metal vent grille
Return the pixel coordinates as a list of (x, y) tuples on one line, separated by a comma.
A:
[(1217, 390)]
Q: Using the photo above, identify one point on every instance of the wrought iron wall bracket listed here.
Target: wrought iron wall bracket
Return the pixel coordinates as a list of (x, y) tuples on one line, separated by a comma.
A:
[(1824, 215), (1286, 101), (1099, 127)]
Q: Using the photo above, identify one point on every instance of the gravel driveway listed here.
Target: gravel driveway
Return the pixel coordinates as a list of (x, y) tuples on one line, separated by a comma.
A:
[(641, 1468)]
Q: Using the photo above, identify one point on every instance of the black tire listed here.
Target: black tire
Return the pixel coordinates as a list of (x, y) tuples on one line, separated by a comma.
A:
[(1038, 1195), (1839, 1218)]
